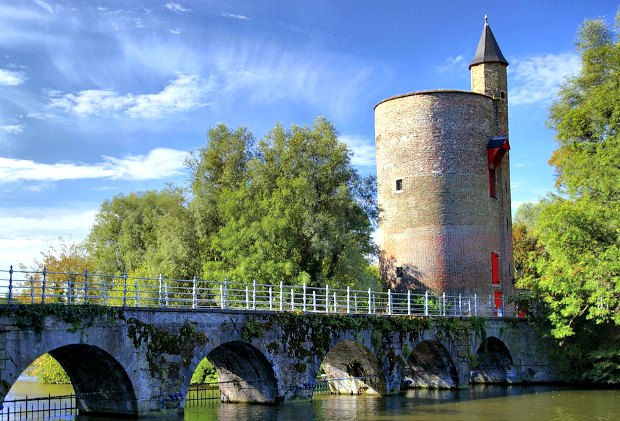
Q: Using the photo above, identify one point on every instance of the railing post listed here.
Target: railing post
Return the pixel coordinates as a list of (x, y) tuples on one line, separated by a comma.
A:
[(426, 303), (125, 289), (503, 306), (281, 296), (221, 297), (160, 290), (355, 301), (247, 297), (443, 296), (348, 299), (408, 302), (31, 290), (335, 303), (43, 284), (194, 294), (475, 305), (292, 299), (225, 293), (271, 300), (304, 299), (69, 290), (369, 301), (314, 301), (105, 294), (460, 306), (389, 302), (10, 284), (166, 293), (86, 286), (254, 294), (135, 288), (327, 298)]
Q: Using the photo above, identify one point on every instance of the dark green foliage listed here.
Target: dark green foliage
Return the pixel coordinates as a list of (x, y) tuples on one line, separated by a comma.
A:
[(80, 316), (161, 341)]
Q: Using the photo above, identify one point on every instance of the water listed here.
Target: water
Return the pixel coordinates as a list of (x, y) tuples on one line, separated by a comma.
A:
[(476, 403)]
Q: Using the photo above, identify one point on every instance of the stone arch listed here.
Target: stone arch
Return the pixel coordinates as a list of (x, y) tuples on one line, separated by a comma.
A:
[(493, 364), (244, 373), (100, 382), (430, 365), (351, 368)]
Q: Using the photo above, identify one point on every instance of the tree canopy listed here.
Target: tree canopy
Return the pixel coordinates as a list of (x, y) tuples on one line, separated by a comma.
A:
[(574, 243), (289, 208)]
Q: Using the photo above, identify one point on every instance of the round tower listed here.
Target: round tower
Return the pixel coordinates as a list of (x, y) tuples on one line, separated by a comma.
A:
[(443, 184)]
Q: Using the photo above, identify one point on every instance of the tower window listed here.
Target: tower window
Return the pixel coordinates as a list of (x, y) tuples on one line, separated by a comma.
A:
[(491, 182), (399, 272), (399, 184), (502, 94)]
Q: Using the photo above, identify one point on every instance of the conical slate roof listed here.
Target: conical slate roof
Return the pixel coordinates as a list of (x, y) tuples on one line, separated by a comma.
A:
[(488, 51)]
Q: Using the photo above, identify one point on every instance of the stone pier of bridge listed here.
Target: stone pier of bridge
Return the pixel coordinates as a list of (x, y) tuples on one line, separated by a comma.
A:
[(136, 362)]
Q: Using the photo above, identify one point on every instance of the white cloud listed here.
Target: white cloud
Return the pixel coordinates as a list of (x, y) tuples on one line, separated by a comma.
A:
[(12, 77), (12, 129), (24, 237), (233, 16), (45, 6), (363, 150), (175, 7), (183, 94), (451, 62), (175, 31), (538, 78), (157, 164)]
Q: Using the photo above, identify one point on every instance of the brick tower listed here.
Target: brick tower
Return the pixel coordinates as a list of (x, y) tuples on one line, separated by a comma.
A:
[(444, 183)]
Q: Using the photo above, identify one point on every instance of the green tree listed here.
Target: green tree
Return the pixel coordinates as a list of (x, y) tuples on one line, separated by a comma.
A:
[(145, 234), (578, 276), (218, 168), (303, 214)]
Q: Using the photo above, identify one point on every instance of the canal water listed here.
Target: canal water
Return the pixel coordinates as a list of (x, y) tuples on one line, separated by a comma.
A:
[(476, 403)]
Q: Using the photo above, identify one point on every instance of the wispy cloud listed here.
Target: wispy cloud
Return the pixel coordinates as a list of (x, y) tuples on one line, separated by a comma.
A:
[(363, 150), (538, 78), (12, 77), (233, 16), (451, 63), (24, 237), (158, 164), (176, 7), (48, 8), (12, 129), (185, 93)]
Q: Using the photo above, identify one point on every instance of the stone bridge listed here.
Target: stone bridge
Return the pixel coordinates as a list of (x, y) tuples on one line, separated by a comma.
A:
[(140, 361)]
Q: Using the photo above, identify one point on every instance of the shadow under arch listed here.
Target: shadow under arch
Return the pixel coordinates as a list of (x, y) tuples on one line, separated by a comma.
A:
[(101, 385), (351, 369), (430, 365), (244, 374), (493, 363)]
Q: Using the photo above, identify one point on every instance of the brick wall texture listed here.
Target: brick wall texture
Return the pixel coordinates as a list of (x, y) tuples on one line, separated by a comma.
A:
[(441, 228)]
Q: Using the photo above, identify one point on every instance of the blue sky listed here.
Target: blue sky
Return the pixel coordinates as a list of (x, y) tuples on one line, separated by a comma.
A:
[(99, 98)]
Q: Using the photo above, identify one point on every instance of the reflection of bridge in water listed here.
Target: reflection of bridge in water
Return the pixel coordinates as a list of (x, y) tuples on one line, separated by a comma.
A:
[(141, 339)]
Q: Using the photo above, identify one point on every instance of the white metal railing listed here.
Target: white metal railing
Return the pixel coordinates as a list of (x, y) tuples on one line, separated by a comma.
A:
[(30, 287)]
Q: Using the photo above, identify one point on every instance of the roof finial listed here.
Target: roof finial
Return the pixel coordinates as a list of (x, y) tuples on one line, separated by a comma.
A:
[(486, 20)]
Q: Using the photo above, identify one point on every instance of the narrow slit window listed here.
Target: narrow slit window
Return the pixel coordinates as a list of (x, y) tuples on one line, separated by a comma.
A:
[(495, 268), (399, 184), (492, 182), (399, 272)]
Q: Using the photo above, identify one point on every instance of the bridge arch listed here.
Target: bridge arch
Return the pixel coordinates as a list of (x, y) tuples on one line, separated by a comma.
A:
[(100, 382), (494, 363), (430, 365), (244, 373), (351, 368)]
